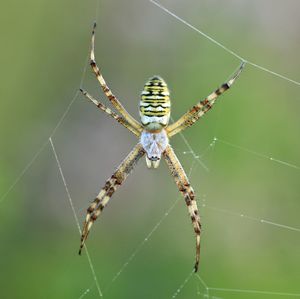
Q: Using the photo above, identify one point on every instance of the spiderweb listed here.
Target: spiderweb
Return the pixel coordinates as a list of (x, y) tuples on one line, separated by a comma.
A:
[(169, 221)]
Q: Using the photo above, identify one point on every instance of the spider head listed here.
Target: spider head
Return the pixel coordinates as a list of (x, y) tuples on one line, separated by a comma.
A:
[(155, 104)]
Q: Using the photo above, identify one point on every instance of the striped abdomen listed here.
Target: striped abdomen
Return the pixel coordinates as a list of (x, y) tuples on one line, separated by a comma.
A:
[(155, 104)]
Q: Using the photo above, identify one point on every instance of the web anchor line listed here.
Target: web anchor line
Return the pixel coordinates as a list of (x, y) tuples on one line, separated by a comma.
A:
[(255, 292), (75, 215), (210, 290), (222, 46), (183, 284), (204, 285), (145, 240), (260, 220), (25, 169), (257, 153), (39, 150), (84, 294), (45, 143)]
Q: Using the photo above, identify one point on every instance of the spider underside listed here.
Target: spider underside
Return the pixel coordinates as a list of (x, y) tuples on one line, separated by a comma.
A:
[(153, 132)]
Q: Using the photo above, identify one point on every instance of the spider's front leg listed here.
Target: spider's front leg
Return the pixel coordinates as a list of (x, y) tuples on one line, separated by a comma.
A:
[(197, 111), (109, 112), (111, 97), (187, 191), (109, 188)]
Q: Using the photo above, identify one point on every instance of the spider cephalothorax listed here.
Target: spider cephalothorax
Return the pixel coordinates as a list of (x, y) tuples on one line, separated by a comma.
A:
[(153, 132), (154, 145)]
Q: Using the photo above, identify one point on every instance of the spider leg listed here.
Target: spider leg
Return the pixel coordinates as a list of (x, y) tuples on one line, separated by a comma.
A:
[(107, 110), (197, 111), (111, 97), (187, 191), (108, 190)]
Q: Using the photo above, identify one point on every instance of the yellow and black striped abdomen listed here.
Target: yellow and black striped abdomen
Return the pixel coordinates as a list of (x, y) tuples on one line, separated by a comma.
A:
[(155, 104)]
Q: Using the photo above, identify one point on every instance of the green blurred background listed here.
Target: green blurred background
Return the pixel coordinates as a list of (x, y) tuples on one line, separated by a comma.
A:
[(44, 47)]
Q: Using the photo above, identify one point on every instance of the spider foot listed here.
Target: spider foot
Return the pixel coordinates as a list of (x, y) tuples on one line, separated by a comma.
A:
[(92, 214), (83, 238), (82, 244), (196, 267)]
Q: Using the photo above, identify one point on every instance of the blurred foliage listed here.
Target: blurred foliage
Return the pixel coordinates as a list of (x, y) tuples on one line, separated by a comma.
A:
[(44, 55)]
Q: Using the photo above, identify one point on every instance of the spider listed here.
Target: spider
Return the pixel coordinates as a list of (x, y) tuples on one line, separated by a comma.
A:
[(153, 133)]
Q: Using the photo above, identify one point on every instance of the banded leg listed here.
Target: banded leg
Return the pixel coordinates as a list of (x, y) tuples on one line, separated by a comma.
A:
[(187, 191), (111, 97), (108, 190), (190, 117), (107, 110)]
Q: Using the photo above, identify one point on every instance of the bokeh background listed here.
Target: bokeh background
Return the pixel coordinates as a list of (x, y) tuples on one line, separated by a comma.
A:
[(44, 48)]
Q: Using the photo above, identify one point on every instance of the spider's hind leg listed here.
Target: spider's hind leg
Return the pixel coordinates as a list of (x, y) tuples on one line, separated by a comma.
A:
[(187, 191), (108, 190), (96, 207)]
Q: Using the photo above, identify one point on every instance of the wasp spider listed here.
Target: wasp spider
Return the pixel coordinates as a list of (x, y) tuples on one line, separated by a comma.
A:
[(153, 133)]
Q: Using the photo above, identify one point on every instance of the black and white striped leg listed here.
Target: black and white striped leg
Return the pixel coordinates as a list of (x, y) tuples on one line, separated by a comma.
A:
[(108, 190), (111, 97), (197, 111), (187, 191), (108, 111)]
